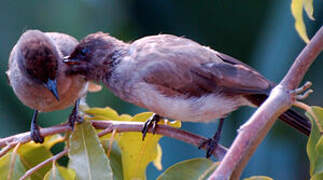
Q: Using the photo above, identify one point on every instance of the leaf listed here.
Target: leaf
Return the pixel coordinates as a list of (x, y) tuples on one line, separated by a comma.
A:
[(197, 168), (107, 113), (315, 144), (308, 6), (33, 153), (297, 12), (137, 154), (115, 159), (18, 168), (86, 154), (60, 173), (157, 160), (258, 178)]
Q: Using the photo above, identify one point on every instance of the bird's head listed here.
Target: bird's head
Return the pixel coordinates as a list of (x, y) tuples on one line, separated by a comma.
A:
[(38, 59), (93, 56)]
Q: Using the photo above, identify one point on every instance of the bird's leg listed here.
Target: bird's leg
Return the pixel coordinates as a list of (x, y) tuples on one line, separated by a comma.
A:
[(34, 129), (74, 117), (212, 143), (151, 122)]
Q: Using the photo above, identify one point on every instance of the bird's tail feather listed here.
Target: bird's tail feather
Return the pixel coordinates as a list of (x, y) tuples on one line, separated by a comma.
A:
[(296, 120)]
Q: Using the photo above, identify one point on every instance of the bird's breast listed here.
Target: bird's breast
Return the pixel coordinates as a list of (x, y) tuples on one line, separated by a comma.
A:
[(194, 109)]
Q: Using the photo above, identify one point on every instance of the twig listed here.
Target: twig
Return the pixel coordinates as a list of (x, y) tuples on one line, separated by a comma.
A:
[(42, 164), (121, 126), (13, 161), (109, 126), (253, 132)]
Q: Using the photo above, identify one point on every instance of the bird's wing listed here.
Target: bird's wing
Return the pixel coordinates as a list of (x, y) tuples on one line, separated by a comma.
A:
[(206, 78), (177, 66)]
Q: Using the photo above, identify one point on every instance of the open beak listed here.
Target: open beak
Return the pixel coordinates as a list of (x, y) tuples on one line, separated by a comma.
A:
[(52, 87), (70, 61)]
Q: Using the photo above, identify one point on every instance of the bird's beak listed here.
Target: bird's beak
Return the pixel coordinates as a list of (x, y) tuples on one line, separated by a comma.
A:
[(70, 61), (52, 87)]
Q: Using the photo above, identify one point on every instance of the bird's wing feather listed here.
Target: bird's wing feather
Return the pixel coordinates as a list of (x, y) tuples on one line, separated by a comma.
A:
[(177, 66)]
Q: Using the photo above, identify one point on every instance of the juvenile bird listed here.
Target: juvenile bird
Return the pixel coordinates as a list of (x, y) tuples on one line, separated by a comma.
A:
[(174, 77), (37, 75)]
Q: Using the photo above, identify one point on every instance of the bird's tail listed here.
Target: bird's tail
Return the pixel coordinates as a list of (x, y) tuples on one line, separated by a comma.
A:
[(296, 120), (291, 117)]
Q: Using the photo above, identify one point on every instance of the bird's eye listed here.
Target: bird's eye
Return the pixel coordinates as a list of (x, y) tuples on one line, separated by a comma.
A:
[(84, 51)]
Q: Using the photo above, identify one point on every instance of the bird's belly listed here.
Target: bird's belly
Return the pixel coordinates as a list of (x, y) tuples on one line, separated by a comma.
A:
[(195, 109), (36, 96)]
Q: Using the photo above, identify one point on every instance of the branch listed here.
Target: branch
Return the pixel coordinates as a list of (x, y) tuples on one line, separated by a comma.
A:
[(42, 164), (255, 129), (109, 126)]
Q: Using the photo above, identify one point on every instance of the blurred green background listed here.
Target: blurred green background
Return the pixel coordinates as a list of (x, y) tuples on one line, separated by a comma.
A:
[(260, 33)]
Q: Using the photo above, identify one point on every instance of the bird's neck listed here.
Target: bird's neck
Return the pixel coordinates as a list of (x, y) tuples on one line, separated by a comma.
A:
[(113, 55)]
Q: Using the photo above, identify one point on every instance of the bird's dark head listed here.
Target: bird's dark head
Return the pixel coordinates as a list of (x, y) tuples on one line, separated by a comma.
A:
[(94, 56), (38, 59)]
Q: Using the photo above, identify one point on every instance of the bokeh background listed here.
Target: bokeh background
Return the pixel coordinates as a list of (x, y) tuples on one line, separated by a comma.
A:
[(260, 33)]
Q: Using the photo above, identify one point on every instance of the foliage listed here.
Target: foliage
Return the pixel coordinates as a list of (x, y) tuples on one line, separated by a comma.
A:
[(297, 11), (315, 143)]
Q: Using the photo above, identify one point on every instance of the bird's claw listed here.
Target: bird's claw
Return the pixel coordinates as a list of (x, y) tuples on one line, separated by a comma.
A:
[(35, 135), (211, 145), (151, 122)]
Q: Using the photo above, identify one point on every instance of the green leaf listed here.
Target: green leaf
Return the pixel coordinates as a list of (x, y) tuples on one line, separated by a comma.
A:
[(136, 154), (86, 154), (297, 12), (5, 166), (60, 173), (197, 168), (115, 159), (315, 144), (259, 178), (33, 153)]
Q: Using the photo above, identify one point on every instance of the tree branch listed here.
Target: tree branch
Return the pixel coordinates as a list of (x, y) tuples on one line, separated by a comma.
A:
[(109, 126), (255, 129)]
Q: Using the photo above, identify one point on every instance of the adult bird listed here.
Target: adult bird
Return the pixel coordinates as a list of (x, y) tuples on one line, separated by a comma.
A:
[(37, 75), (174, 77)]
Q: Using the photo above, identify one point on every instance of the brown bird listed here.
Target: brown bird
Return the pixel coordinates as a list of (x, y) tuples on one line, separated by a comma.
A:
[(174, 77), (37, 75)]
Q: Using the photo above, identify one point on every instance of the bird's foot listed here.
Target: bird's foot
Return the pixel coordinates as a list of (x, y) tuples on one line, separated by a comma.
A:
[(211, 144), (74, 116), (35, 134), (151, 122), (34, 129)]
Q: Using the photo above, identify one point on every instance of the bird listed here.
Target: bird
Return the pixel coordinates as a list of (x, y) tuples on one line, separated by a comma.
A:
[(174, 77), (36, 73)]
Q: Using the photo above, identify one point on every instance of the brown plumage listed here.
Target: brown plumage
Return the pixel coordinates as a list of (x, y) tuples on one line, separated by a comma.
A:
[(174, 77), (37, 73)]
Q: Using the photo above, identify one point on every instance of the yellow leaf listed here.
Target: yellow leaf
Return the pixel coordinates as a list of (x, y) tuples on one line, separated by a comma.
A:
[(258, 178), (32, 154), (308, 6), (60, 173), (297, 11), (157, 161), (5, 165), (137, 154), (107, 113)]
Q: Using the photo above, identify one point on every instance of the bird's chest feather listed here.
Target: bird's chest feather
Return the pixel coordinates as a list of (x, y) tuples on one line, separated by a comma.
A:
[(199, 109)]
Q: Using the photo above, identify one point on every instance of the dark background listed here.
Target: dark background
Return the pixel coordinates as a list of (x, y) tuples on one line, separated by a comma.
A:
[(260, 33)]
